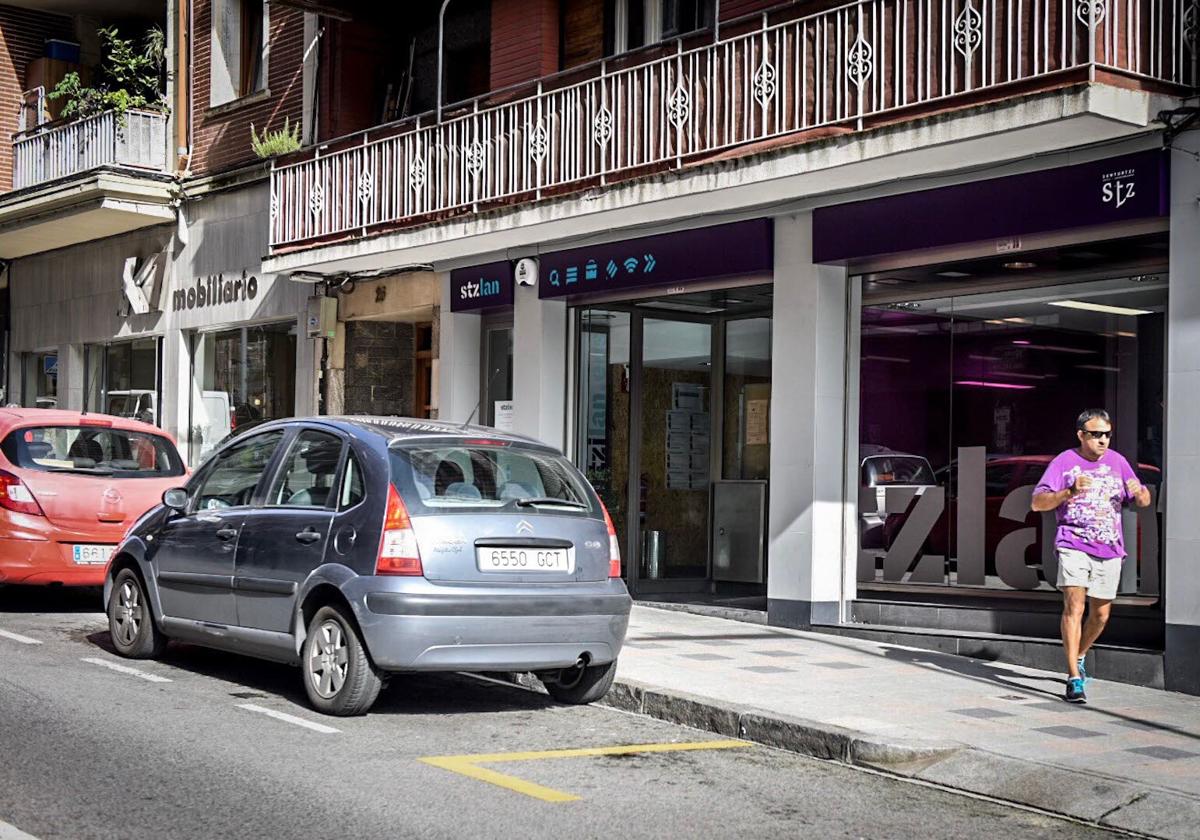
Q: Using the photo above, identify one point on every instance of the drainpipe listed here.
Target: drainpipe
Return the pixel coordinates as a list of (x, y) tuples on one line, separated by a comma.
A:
[(441, 26)]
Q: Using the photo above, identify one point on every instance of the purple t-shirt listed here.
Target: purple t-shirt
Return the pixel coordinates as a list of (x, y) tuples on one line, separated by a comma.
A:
[(1090, 521)]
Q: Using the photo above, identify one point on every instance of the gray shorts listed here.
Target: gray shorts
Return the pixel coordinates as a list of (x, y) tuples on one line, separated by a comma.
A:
[(1098, 576)]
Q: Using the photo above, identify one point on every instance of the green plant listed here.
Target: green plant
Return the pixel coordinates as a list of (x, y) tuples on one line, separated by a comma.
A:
[(128, 77), (280, 142)]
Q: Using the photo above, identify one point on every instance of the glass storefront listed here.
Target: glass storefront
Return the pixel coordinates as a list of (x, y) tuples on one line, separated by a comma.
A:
[(673, 407), (245, 376), (497, 380), (39, 380), (971, 377), (123, 379)]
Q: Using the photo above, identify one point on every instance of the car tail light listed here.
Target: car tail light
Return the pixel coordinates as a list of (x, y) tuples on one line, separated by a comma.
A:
[(398, 554), (94, 421), (614, 546), (15, 496)]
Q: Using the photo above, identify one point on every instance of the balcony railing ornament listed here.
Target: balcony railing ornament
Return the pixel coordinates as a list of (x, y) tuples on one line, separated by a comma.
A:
[(539, 142), (1086, 9), (476, 157), (679, 106), (860, 62), (416, 173), (602, 127), (765, 83), (968, 31), (366, 186), (316, 199), (274, 205), (1191, 25)]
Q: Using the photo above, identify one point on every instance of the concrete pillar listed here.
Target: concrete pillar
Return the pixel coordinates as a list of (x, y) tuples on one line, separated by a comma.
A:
[(308, 362), (457, 376), (70, 377), (540, 359), (808, 404), (1181, 568)]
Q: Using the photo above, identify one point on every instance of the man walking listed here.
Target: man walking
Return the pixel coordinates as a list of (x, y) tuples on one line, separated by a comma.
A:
[(1086, 487)]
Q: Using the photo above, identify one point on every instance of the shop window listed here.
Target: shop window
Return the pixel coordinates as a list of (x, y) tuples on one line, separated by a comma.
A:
[(246, 376), (964, 400), (122, 379), (239, 49), (497, 379), (40, 378)]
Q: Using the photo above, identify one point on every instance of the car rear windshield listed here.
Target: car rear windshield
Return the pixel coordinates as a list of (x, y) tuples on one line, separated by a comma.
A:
[(474, 477), (897, 469), (92, 450)]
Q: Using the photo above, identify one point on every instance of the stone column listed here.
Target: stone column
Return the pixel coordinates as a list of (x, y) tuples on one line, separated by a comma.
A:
[(1181, 566), (808, 404), (457, 372), (540, 359)]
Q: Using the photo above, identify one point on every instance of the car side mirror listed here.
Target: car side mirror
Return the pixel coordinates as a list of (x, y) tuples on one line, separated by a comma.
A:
[(175, 499)]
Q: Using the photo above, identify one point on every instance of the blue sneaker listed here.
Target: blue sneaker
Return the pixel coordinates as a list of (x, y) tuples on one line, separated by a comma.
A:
[(1083, 674), (1075, 691)]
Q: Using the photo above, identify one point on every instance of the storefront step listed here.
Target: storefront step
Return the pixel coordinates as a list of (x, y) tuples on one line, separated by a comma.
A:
[(1133, 665), (1130, 625)]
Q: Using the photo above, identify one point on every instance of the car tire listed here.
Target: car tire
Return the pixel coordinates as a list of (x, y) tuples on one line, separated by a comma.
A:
[(131, 620), (339, 678), (578, 686)]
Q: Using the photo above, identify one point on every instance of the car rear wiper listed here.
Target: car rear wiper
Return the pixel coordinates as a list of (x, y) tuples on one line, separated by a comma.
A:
[(84, 470), (534, 501)]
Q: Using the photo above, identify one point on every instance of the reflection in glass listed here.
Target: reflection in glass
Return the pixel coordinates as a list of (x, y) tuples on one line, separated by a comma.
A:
[(747, 450)]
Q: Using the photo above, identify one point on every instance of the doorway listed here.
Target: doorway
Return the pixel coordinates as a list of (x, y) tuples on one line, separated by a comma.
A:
[(673, 405)]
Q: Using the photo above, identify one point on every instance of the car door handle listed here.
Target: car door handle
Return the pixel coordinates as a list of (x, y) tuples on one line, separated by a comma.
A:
[(308, 535), (227, 533)]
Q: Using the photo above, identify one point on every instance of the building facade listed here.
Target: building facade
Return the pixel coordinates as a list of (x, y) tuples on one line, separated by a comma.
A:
[(811, 292)]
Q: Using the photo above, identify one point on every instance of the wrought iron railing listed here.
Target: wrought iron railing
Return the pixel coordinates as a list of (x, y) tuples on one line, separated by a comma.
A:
[(845, 66), (137, 139)]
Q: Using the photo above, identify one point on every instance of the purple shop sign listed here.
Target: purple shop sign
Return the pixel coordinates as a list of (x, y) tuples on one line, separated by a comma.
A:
[(481, 287), (1121, 189), (739, 248)]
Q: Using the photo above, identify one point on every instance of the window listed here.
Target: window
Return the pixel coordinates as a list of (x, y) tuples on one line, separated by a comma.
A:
[(40, 378), (353, 490), (442, 478), (635, 23), (231, 480), (239, 49), (92, 450), (122, 379), (307, 475)]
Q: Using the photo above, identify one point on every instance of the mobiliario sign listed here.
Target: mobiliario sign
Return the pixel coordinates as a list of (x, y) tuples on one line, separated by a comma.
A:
[(215, 290), (1128, 188), (736, 249), (481, 287)]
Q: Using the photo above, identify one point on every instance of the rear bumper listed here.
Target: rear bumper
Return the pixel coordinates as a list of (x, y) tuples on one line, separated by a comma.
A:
[(414, 625), (45, 562)]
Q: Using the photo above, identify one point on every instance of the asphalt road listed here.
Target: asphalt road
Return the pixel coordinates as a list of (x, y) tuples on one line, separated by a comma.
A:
[(172, 751)]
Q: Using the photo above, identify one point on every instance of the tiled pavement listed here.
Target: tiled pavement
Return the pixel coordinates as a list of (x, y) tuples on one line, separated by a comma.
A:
[(1146, 737)]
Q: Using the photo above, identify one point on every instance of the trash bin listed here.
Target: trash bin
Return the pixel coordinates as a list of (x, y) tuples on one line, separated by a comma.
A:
[(654, 549)]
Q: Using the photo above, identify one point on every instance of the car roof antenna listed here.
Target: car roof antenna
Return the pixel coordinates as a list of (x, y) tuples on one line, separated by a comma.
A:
[(487, 389)]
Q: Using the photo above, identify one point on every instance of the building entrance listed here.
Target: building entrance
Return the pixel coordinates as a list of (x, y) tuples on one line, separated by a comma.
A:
[(673, 409)]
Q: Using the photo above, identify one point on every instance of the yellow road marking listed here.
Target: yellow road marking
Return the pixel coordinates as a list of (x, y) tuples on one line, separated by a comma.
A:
[(468, 765)]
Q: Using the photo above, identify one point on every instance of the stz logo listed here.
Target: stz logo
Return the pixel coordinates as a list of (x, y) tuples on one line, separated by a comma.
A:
[(1118, 187), (479, 289)]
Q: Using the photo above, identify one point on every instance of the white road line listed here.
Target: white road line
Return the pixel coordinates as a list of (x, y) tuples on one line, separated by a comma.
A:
[(25, 640), (124, 669), (11, 832), (286, 718)]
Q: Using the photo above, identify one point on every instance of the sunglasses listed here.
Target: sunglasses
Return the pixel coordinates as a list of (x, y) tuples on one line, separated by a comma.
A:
[(1096, 435)]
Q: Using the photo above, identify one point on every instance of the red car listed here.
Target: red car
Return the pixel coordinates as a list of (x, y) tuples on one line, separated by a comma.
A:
[(71, 484)]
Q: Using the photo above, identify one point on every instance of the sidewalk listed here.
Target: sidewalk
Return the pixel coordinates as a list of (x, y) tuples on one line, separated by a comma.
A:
[(1130, 759)]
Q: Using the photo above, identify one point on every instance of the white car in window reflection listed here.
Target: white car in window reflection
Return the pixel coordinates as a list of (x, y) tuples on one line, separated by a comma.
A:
[(880, 468)]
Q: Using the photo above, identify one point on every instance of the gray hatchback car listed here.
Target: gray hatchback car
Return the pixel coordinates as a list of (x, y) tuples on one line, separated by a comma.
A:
[(362, 546)]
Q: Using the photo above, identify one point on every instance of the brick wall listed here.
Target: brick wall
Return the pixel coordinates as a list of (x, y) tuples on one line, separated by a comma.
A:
[(22, 36), (379, 368), (221, 139), (524, 41)]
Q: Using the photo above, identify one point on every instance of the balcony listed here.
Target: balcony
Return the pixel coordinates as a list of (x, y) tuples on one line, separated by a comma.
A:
[(136, 140), (86, 179), (851, 67)]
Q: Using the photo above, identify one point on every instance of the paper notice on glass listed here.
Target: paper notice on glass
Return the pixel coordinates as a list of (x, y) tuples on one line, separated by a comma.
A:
[(504, 415), (758, 413)]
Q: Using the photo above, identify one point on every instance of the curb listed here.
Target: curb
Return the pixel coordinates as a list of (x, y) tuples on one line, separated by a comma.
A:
[(1088, 797)]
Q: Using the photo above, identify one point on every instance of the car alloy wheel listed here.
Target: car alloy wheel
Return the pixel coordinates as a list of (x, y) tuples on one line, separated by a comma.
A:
[(128, 613), (329, 659)]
